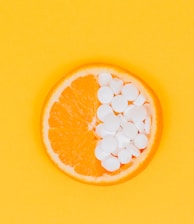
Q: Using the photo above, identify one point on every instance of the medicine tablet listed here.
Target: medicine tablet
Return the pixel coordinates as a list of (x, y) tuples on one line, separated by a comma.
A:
[(119, 103), (124, 156), (138, 114), (141, 141), (104, 78), (108, 144), (130, 91), (116, 85), (112, 123), (104, 110), (110, 163), (105, 94), (130, 130), (100, 154)]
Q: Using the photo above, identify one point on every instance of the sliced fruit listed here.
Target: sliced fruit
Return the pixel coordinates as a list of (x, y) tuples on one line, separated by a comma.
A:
[(101, 124)]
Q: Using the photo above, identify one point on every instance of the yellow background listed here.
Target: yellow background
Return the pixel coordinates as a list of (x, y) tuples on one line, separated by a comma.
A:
[(40, 41)]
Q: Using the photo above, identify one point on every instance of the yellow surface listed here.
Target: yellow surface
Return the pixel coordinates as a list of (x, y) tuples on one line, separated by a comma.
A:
[(41, 40)]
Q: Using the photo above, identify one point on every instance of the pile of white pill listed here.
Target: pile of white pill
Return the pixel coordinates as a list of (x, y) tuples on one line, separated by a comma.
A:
[(125, 122)]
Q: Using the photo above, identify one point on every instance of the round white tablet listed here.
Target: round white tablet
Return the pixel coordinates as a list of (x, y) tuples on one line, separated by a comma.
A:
[(130, 130), (124, 156), (138, 114), (119, 103), (104, 110), (100, 154), (141, 141), (108, 144), (112, 123), (101, 131), (104, 78), (130, 91), (116, 85), (105, 94), (110, 163)]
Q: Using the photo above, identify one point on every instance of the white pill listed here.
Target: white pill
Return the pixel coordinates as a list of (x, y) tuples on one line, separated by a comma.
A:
[(128, 112), (100, 154), (140, 126), (148, 108), (112, 123), (123, 120), (141, 141), (140, 100), (101, 131), (133, 150), (124, 156), (130, 91), (119, 103), (108, 144), (116, 85), (147, 125), (122, 140), (105, 94), (104, 78), (110, 163), (130, 130), (138, 114), (104, 110)]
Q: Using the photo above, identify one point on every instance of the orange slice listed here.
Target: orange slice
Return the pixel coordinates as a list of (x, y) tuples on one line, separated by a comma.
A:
[(69, 121)]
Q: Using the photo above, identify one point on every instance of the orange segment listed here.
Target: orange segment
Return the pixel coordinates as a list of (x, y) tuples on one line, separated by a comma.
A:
[(69, 121)]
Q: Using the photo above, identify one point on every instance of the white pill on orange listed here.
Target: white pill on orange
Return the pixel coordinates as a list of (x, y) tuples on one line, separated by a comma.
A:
[(116, 85), (110, 163), (105, 94), (108, 144), (104, 78), (130, 91), (138, 114), (112, 123), (119, 103), (124, 156), (130, 130), (103, 111), (141, 141), (100, 154)]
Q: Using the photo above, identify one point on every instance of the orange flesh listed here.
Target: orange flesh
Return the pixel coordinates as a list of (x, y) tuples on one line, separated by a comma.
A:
[(69, 122)]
